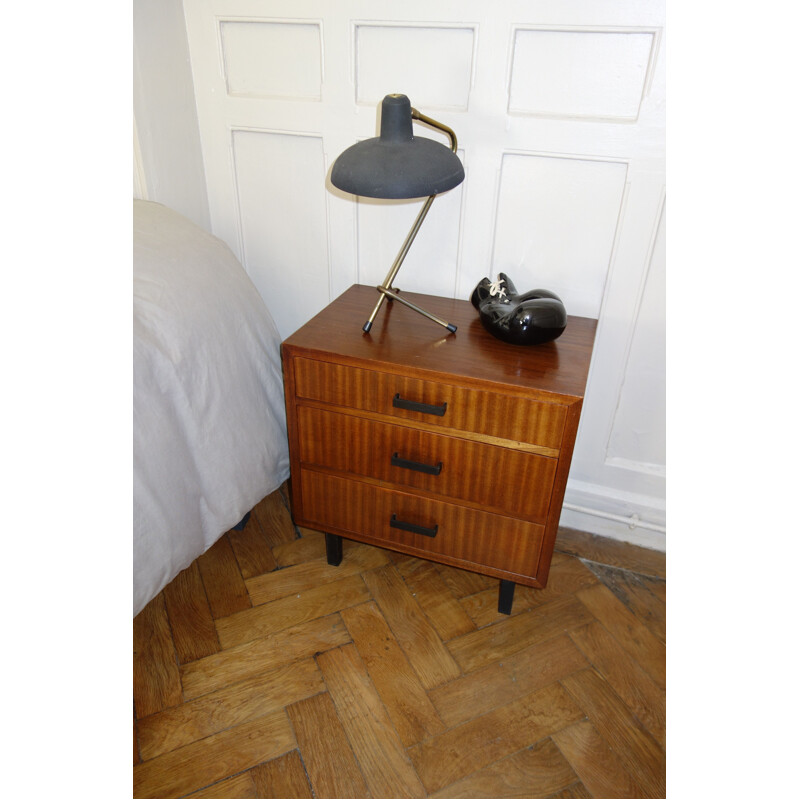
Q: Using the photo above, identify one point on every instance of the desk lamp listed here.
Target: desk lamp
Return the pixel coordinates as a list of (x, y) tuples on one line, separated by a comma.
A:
[(398, 165)]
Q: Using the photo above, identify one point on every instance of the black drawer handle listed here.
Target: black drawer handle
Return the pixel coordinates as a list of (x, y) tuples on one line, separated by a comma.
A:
[(411, 528), (428, 469), (423, 408)]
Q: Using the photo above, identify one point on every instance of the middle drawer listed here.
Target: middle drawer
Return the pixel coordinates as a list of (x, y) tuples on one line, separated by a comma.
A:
[(495, 478)]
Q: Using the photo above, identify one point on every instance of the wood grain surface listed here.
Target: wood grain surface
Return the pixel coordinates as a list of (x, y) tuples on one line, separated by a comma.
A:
[(391, 676)]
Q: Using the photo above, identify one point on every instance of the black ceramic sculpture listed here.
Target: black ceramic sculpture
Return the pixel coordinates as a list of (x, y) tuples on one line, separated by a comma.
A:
[(535, 317)]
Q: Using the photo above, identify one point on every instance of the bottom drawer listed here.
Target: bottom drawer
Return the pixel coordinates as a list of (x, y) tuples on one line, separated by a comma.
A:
[(418, 526)]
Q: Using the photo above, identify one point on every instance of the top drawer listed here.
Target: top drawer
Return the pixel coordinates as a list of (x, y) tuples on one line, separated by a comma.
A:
[(438, 404)]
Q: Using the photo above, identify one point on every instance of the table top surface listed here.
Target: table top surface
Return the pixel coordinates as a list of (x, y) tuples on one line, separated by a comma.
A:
[(402, 340)]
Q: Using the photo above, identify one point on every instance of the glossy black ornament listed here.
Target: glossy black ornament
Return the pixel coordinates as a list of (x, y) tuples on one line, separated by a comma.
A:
[(534, 317)]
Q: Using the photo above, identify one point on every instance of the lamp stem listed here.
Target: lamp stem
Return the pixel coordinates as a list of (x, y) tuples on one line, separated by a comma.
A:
[(412, 234), (386, 286), (385, 289)]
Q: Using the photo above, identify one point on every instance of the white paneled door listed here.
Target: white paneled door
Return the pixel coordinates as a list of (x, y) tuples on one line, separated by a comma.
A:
[(559, 112)]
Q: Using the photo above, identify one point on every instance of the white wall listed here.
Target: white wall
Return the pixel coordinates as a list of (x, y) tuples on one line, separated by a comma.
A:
[(168, 162), (559, 111)]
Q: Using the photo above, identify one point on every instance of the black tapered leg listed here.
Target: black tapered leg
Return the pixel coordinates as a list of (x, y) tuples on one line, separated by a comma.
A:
[(333, 548), (506, 598)]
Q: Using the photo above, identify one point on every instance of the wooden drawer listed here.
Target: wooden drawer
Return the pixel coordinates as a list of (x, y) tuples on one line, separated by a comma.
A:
[(463, 537), (493, 478), (476, 411)]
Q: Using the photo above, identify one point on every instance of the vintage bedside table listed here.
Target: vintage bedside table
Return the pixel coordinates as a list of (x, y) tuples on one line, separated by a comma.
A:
[(449, 447)]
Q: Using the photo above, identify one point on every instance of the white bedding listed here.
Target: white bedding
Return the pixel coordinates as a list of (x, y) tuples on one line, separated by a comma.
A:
[(209, 425)]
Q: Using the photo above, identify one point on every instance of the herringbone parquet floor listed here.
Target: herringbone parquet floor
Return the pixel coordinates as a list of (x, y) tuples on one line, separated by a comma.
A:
[(261, 671)]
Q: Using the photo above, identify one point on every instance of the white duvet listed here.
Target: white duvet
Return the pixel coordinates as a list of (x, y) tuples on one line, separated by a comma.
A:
[(209, 426)]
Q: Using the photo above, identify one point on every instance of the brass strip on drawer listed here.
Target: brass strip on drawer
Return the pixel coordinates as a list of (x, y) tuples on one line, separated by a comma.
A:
[(525, 447), (504, 480)]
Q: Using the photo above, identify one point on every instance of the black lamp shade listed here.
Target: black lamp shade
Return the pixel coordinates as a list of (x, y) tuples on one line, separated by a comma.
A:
[(397, 164)]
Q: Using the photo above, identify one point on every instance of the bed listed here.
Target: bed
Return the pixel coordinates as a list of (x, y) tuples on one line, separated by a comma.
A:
[(209, 425)]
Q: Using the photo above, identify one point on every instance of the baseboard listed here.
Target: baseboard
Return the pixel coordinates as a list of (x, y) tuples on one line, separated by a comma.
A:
[(626, 517)]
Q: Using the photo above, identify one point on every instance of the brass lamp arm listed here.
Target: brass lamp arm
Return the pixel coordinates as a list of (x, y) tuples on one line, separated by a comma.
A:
[(438, 125)]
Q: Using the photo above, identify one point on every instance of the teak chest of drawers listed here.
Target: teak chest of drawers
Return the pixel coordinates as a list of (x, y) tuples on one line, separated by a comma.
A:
[(449, 447)]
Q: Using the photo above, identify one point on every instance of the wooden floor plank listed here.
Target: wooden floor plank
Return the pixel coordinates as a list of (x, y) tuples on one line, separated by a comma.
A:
[(384, 763), (567, 575), (210, 760), (637, 596), (424, 649), (467, 748), (577, 791), (463, 583), (222, 579), (400, 689), (482, 647), (192, 624), (252, 550), (272, 617), (156, 678), (657, 586), (502, 681), (329, 759), (310, 546), (598, 767), (239, 786), (227, 707), (276, 522), (604, 550), (310, 574), (538, 771), (617, 725), (636, 639), (481, 607), (631, 683), (136, 755), (282, 777), (255, 657), (427, 585)]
